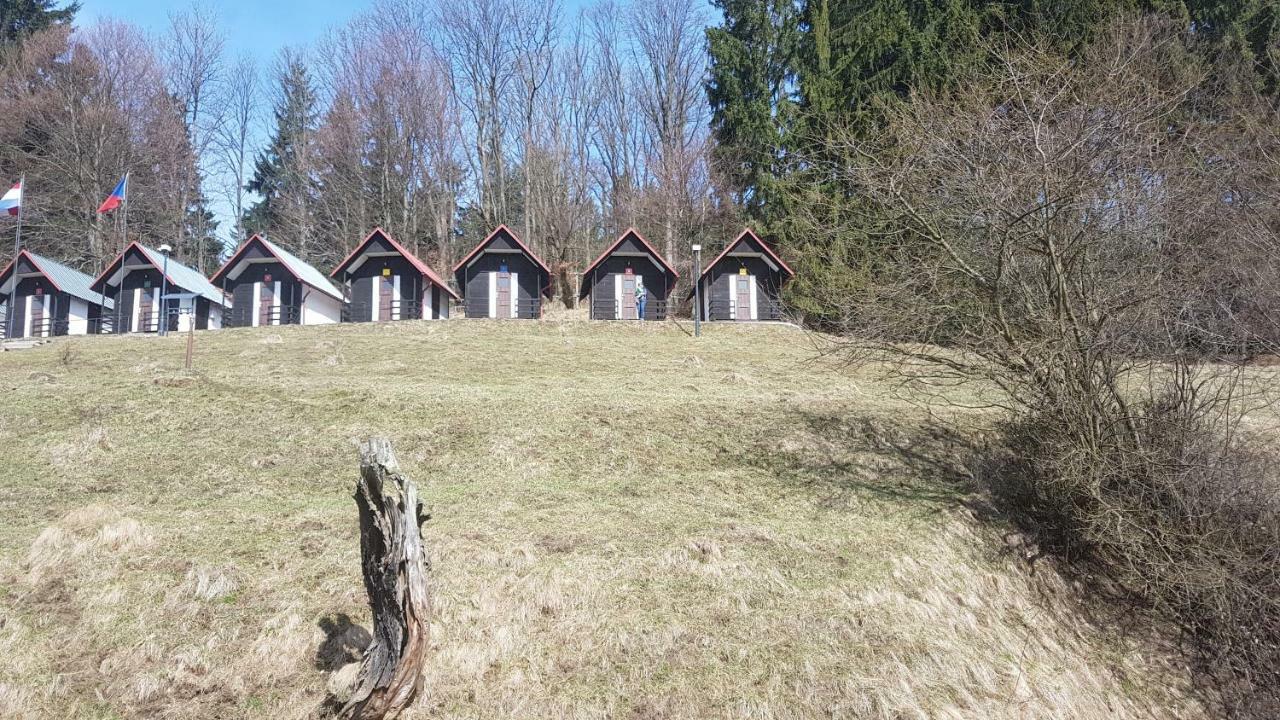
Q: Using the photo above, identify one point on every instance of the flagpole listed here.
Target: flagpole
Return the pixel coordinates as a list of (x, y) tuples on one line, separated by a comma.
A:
[(17, 248), (102, 301), (124, 243)]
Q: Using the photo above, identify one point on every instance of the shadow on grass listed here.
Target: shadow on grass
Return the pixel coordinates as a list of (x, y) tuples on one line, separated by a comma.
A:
[(842, 455), (344, 642)]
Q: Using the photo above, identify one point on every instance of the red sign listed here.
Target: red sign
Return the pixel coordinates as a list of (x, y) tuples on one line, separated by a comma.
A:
[(266, 278)]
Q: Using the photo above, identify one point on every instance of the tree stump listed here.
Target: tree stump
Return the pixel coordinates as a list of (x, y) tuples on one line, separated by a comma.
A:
[(394, 561)]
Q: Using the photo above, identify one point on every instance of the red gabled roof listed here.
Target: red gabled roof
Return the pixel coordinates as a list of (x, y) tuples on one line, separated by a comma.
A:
[(624, 236), (120, 259), (502, 228), (36, 263), (413, 259), (748, 232), (235, 257)]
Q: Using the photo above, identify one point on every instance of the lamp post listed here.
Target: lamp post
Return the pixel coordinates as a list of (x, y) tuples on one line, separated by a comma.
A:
[(164, 278), (697, 291)]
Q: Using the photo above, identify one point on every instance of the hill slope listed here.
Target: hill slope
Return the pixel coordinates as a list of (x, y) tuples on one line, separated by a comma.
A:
[(627, 523)]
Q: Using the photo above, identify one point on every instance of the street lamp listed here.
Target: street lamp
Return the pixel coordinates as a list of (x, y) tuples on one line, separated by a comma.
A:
[(164, 278), (697, 291)]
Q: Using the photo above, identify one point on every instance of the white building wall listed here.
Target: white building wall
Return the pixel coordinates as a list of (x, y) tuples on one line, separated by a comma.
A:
[(78, 317), (186, 314), (320, 309)]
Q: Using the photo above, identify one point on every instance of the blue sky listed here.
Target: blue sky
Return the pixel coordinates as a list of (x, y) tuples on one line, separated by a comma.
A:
[(256, 27)]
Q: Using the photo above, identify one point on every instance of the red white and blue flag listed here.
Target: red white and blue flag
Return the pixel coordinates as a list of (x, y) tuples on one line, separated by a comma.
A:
[(11, 202), (116, 197)]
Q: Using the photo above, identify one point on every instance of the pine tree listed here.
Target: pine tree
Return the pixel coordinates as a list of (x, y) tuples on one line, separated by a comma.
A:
[(284, 173), (752, 71), (19, 18)]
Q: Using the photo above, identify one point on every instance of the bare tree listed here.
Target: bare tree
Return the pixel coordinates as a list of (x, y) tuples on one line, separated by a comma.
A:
[(477, 40), (562, 193), (533, 44), (616, 136), (234, 136), (193, 58), (80, 112), (390, 139), (670, 51)]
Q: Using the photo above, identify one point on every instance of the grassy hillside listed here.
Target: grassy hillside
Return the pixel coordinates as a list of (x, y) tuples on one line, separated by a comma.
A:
[(628, 523)]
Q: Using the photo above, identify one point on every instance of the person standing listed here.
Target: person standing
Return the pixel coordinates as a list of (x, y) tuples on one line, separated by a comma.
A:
[(642, 296)]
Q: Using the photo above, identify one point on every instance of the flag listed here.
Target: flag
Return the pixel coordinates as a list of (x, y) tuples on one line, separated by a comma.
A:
[(12, 200), (116, 197)]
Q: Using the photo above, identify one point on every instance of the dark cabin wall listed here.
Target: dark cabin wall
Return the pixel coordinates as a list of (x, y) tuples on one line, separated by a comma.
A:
[(768, 284), (656, 279), (59, 304), (203, 308), (142, 275), (474, 280), (241, 289), (18, 307), (148, 278), (95, 318), (440, 301), (361, 281)]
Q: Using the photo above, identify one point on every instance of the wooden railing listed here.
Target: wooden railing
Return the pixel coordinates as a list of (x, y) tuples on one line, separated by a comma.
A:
[(279, 315), (531, 308), (767, 310), (401, 309), (655, 310), (45, 327)]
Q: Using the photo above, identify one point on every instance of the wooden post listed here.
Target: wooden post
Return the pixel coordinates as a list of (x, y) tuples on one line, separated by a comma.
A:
[(395, 566), (191, 339)]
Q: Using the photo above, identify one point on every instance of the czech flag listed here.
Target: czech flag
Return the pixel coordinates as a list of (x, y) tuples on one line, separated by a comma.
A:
[(12, 200), (116, 197)]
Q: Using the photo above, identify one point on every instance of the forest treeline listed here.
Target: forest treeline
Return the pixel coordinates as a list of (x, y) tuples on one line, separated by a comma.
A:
[(439, 120), (434, 120)]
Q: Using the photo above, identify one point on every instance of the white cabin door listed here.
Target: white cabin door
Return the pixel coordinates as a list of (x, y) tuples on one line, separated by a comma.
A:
[(629, 295), (504, 299), (742, 292)]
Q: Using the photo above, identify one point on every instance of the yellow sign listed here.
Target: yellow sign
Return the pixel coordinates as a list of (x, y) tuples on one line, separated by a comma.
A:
[(386, 272), (742, 271)]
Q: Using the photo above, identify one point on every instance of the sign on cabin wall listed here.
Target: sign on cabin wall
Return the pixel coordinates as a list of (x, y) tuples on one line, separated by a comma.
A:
[(386, 272), (742, 271)]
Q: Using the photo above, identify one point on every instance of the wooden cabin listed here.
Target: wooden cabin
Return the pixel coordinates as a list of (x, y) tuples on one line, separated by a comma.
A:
[(269, 285), (48, 299), (610, 282), (502, 278), (744, 282), (134, 281), (384, 281)]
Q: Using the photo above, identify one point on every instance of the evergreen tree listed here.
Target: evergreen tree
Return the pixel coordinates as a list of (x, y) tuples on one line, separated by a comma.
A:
[(752, 71), (283, 174), (19, 18)]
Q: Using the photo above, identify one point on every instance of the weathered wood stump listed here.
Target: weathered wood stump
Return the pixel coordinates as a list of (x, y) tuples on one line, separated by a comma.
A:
[(395, 566)]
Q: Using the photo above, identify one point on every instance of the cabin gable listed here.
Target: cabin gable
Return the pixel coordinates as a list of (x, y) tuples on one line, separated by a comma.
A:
[(744, 283), (383, 281), (483, 274)]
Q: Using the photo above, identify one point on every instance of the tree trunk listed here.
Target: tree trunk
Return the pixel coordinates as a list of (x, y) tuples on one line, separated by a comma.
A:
[(395, 566)]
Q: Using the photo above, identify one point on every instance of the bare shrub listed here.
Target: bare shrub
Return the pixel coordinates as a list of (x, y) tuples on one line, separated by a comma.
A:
[(1189, 522), (68, 355), (1084, 235)]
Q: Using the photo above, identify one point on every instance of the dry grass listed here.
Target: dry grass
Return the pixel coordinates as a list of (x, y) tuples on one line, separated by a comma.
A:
[(627, 523)]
